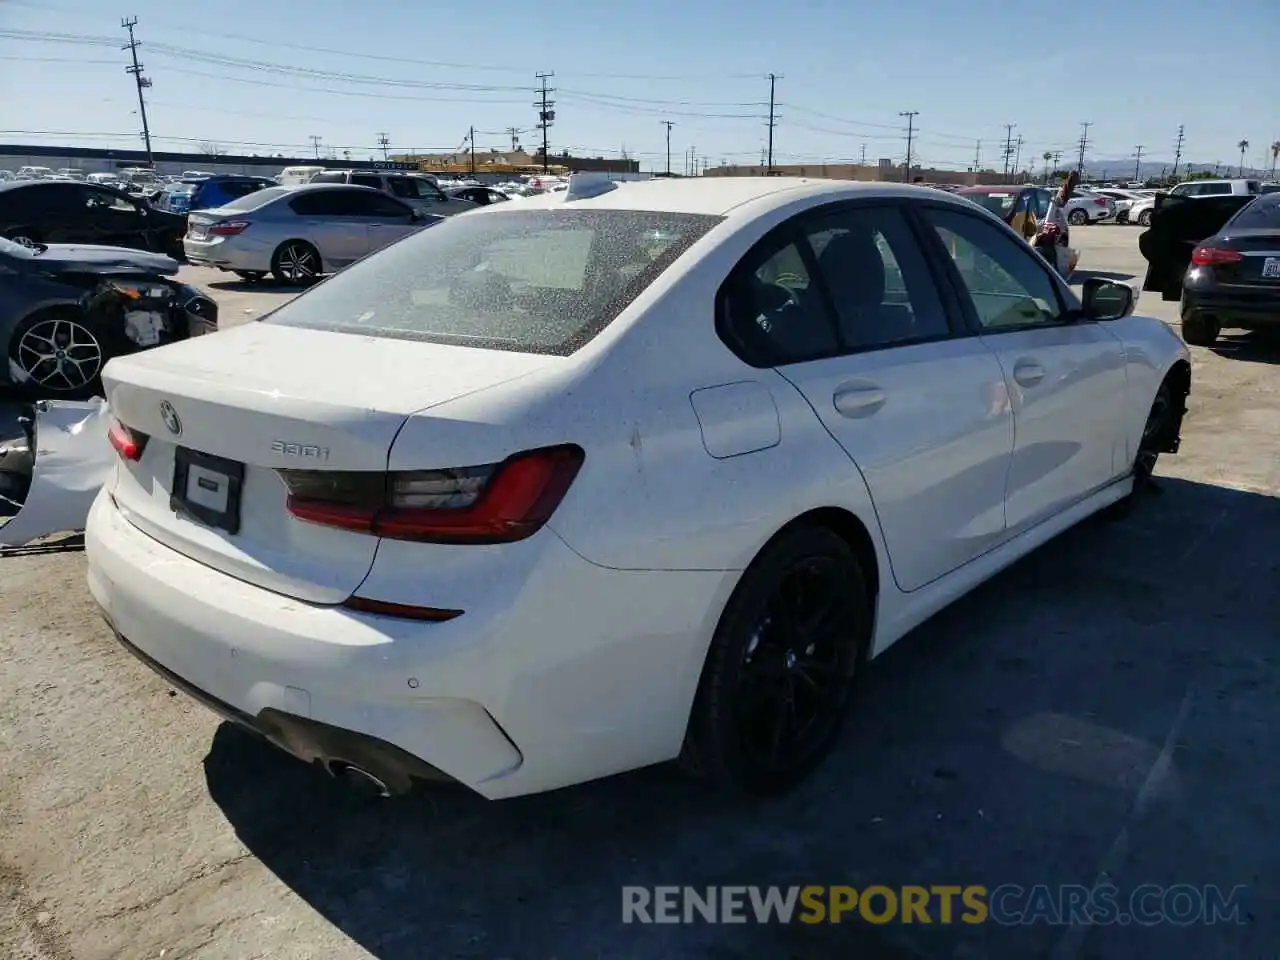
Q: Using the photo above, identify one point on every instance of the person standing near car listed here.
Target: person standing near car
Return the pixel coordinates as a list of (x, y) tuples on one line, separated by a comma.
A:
[(1053, 231)]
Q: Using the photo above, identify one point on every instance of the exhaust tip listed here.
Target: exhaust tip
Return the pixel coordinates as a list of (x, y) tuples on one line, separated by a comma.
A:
[(359, 778)]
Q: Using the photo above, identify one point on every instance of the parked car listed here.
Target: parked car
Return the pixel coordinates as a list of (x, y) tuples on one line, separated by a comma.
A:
[(66, 310), (298, 233), (1216, 188), (297, 176), (419, 192), (1123, 199), (200, 193), (1086, 206), (1179, 224), (596, 480), (480, 195), (1234, 276), (34, 173), (52, 212)]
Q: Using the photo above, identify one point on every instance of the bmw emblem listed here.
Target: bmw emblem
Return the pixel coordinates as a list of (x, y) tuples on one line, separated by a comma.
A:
[(170, 417)]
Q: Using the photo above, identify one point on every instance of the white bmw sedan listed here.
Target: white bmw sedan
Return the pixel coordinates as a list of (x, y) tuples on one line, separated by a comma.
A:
[(609, 477)]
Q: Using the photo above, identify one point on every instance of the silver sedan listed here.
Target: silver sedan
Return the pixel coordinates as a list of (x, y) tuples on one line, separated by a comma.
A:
[(298, 233)]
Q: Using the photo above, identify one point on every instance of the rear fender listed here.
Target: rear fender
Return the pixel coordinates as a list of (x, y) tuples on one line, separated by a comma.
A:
[(73, 458)]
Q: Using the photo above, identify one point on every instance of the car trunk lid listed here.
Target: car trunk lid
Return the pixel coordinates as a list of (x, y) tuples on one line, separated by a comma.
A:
[(223, 413), (1259, 266)]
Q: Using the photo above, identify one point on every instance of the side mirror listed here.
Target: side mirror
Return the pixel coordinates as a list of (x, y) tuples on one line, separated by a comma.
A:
[(1107, 300)]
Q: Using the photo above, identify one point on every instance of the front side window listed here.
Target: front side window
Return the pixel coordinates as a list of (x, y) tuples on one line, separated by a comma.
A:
[(1008, 284), (106, 200), (536, 281)]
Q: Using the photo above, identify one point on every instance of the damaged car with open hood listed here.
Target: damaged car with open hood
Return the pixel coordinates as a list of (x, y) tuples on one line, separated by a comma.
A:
[(65, 311)]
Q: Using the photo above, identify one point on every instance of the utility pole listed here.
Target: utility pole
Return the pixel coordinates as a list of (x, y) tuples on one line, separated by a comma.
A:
[(911, 118), (384, 141), (668, 124), (142, 83), (1137, 162), (471, 139), (315, 142), (693, 161), (864, 156), (1008, 148), (514, 134), (1177, 150), (546, 116), (1017, 158), (977, 156), (773, 120), (1084, 145)]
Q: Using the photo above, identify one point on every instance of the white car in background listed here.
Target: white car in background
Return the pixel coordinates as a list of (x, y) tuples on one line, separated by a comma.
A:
[(1123, 199), (1087, 206), (608, 477)]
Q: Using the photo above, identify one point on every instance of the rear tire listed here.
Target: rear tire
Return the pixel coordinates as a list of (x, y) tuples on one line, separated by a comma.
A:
[(1077, 218), (1200, 331), (1144, 218), (296, 263), (780, 670)]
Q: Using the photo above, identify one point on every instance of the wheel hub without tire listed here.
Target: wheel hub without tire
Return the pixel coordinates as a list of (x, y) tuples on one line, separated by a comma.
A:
[(58, 354)]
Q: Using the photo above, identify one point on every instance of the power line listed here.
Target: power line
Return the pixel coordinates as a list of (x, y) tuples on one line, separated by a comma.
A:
[(546, 116), (911, 116), (141, 81), (773, 120), (1084, 145)]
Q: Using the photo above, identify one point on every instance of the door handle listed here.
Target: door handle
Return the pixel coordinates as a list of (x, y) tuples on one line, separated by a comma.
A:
[(1028, 374), (858, 401)]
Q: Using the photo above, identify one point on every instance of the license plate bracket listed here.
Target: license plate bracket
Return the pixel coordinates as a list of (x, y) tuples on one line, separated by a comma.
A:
[(1271, 268), (207, 489)]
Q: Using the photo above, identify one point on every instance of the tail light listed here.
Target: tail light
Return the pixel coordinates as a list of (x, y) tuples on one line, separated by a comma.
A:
[(1100, 201), (228, 229), (128, 443), (1215, 256), (495, 503)]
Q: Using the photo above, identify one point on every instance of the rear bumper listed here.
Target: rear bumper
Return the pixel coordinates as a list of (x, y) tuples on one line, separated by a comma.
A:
[(1229, 309), (580, 673), (227, 256)]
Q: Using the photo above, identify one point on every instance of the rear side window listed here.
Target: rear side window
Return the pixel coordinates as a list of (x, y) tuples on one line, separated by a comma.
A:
[(239, 188), (259, 198), (333, 177), (364, 180), (1261, 214), (534, 281), (1214, 189)]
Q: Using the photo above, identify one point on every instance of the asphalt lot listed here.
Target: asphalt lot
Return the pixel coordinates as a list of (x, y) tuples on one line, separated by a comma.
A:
[(1109, 705)]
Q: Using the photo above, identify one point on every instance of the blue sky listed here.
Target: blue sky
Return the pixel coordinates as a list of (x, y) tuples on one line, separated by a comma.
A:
[(424, 75)]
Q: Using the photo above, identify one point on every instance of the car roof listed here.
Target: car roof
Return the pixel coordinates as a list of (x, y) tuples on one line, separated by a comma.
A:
[(718, 196), (317, 187), (995, 188)]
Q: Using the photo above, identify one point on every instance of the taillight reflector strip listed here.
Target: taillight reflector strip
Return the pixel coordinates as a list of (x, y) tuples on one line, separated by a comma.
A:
[(129, 444), (1215, 256), (228, 228), (404, 611), (495, 503)]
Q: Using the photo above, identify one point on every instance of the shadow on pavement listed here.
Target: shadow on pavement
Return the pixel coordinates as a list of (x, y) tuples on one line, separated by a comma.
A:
[(71, 544), (1003, 742), (265, 285), (1258, 346)]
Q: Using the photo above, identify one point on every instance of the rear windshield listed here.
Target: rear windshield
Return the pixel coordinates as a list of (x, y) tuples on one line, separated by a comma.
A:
[(1001, 204), (533, 281), (329, 178), (256, 199), (1263, 213)]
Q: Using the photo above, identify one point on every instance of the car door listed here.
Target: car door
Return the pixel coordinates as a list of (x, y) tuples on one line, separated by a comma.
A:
[(1065, 376), (57, 214), (112, 218), (332, 221), (386, 218), (845, 305)]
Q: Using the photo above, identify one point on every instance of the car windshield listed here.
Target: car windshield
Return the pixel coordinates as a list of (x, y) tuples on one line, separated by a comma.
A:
[(1001, 204), (259, 198), (539, 281), (1261, 214)]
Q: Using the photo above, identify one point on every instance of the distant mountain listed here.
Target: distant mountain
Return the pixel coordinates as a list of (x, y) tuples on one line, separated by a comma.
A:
[(1123, 170)]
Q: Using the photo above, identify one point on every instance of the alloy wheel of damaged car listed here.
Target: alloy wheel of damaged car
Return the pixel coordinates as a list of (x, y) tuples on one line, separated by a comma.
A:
[(781, 667), (1144, 218), (56, 354), (296, 263), (1078, 218)]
